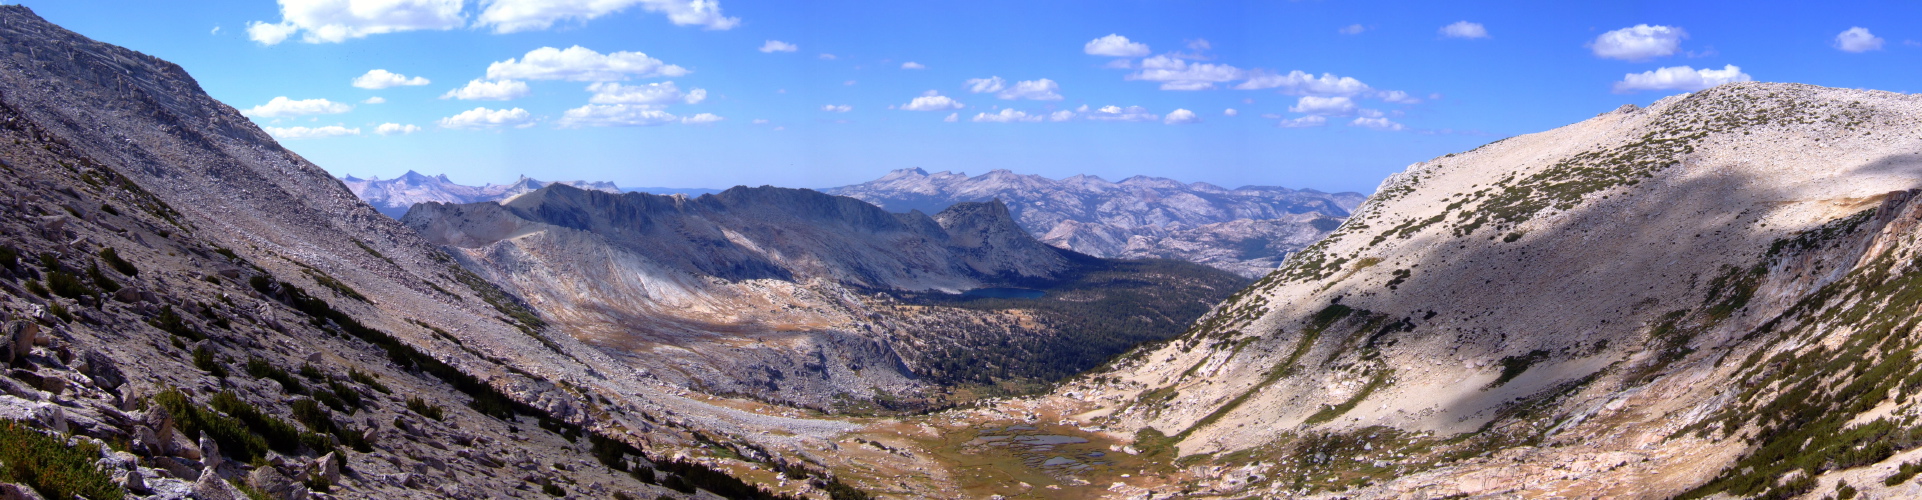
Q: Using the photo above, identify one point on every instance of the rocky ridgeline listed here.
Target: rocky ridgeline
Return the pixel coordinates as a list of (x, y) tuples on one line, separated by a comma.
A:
[(1710, 297), (1246, 230), (191, 310)]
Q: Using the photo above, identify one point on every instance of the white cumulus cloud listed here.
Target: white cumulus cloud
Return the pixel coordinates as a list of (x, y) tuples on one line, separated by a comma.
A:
[(1640, 42), (483, 90), (270, 33), (989, 84), (701, 119), (1302, 83), (1464, 29), (616, 115), (773, 46), (311, 133), (479, 118), (282, 106), (1175, 73), (913, 65), (1181, 116), (1061, 116), (396, 129), (1858, 39), (1302, 122), (656, 94), (1680, 78), (581, 64), (1230, 112), (837, 108), (334, 21), (1115, 46), (374, 100), (952, 117), (1118, 114), (380, 79), (509, 16), (1317, 105), (1007, 115), (1397, 97), (932, 101), (1377, 123), (1036, 90)]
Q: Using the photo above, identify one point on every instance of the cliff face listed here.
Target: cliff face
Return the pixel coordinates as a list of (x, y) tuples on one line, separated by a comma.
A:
[(1138, 217), (1649, 286), (786, 294)]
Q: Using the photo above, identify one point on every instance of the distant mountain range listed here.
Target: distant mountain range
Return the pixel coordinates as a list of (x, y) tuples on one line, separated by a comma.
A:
[(1246, 230), (394, 196)]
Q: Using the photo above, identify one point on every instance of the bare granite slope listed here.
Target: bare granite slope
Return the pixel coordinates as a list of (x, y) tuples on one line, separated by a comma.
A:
[(1712, 295)]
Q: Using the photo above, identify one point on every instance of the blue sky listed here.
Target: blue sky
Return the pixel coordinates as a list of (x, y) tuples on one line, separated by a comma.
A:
[(1327, 95)]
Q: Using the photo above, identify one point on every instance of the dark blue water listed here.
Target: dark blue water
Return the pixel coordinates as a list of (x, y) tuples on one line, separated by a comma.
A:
[(1004, 293)]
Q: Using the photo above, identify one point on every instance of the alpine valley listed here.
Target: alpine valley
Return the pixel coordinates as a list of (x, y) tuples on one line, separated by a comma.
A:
[(1710, 297)]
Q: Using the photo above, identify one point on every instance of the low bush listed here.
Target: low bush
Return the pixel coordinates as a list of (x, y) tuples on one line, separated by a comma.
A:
[(50, 467), (118, 264), (67, 285), (425, 409), (204, 360), (260, 368)]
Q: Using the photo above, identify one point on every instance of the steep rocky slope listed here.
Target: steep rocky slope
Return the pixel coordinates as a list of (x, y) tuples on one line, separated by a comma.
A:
[(1247, 230), (1710, 296), (168, 272), (802, 297), (394, 196)]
